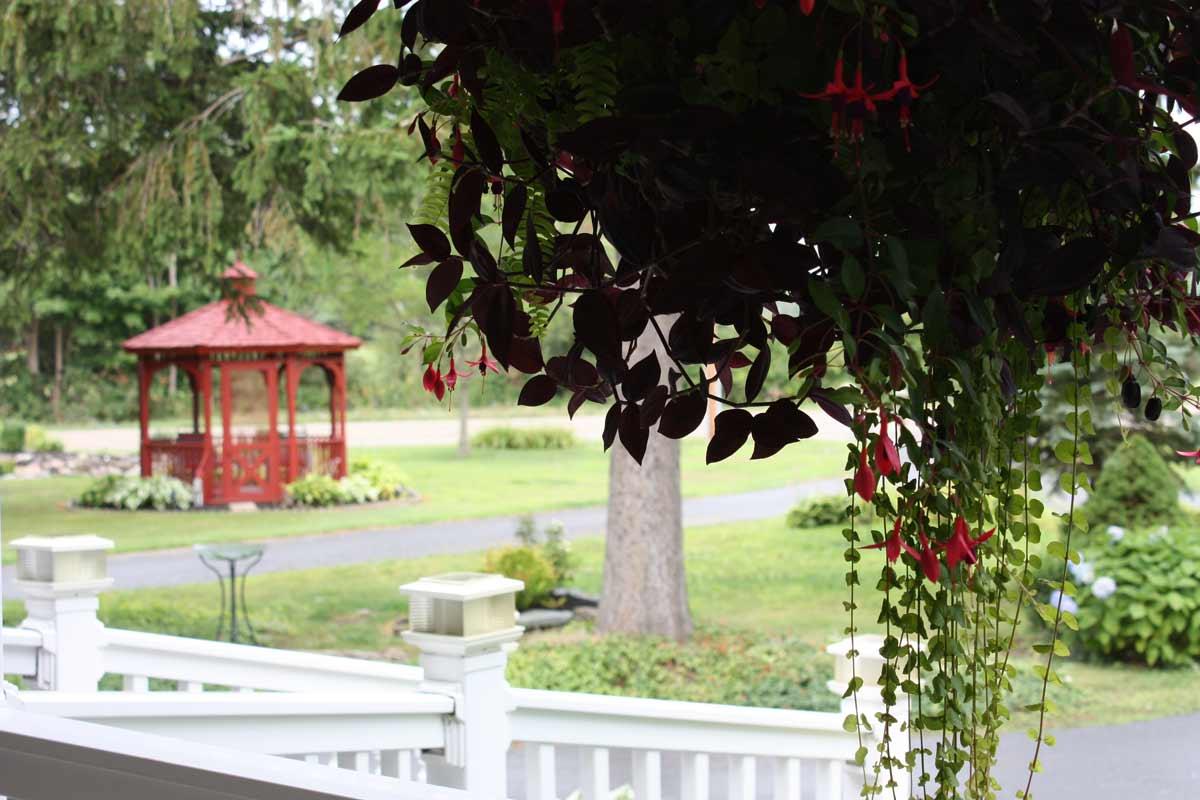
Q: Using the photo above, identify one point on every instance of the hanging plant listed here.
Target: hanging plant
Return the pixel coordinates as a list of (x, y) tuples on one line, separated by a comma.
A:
[(922, 203)]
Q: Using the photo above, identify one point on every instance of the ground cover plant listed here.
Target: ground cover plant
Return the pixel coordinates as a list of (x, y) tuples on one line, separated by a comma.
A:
[(520, 482), (942, 197)]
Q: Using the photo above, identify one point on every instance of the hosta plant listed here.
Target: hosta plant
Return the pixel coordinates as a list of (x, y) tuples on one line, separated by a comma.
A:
[(918, 205)]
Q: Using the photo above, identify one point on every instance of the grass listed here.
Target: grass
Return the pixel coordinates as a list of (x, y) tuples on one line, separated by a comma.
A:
[(755, 588), (487, 483)]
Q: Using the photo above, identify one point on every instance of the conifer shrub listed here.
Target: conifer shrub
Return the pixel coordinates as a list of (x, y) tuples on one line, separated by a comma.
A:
[(1136, 489)]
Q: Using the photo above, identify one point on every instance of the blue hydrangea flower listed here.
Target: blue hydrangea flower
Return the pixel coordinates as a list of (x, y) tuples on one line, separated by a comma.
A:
[(1068, 604), (1104, 587)]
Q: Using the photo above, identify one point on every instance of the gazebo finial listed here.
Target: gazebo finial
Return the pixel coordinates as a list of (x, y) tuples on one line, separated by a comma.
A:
[(240, 277)]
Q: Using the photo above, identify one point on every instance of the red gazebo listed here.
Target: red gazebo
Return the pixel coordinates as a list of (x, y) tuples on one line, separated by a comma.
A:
[(247, 350)]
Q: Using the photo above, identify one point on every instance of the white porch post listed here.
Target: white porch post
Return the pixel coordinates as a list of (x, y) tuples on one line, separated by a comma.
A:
[(62, 578), (463, 624), (868, 665)]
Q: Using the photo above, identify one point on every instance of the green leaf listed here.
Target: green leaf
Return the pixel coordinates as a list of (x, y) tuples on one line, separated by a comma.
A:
[(853, 278)]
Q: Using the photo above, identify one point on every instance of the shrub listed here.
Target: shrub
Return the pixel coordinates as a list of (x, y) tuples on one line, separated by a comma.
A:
[(712, 667), (387, 479), (131, 492), (6, 467), (816, 512), (315, 490), (38, 441), (505, 438), (1135, 489), (1140, 601), (524, 564), (12, 437), (552, 543)]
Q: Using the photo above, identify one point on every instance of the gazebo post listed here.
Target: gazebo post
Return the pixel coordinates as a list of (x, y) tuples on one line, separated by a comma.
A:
[(226, 433), (292, 381), (337, 401), (143, 372), (274, 484), (205, 388)]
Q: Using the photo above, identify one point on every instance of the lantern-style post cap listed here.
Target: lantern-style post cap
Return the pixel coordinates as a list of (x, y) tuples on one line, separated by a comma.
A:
[(62, 564), (462, 611), (867, 664)]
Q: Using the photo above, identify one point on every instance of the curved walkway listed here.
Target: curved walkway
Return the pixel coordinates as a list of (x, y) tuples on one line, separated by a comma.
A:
[(175, 567)]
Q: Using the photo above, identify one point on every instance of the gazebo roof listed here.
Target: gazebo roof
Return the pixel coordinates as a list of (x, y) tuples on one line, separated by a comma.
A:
[(241, 325)]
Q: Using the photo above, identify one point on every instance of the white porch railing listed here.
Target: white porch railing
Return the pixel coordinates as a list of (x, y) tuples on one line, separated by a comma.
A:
[(450, 722)]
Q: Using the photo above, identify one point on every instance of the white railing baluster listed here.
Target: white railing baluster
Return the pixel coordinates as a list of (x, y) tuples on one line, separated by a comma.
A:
[(647, 775), (835, 771), (362, 761), (246, 689), (193, 686), (539, 772), (787, 779), (694, 776), (135, 683), (396, 764), (743, 778), (593, 772)]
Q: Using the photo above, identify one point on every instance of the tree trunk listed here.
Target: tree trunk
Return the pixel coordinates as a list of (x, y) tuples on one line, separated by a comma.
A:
[(172, 281), (464, 413), (31, 349), (645, 585), (59, 368)]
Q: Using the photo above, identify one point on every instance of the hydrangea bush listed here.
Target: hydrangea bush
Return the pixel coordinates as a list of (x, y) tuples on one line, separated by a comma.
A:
[(934, 198)]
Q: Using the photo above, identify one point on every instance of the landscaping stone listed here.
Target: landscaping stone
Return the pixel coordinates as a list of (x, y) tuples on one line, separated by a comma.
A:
[(574, 598), (542, 618), (48, 465)]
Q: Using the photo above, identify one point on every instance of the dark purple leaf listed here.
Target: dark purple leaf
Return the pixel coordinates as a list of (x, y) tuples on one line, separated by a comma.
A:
[(420, 259), (465, 196), (632, 315), (372, 82), (531, 259), (501, 311), (596, 326), (612, 421), (757, 374), (514, 209), (537, 153), (410, 69), (537, 391), (564, 205), (1185, 147), (576, 401), (683, 414), (641, 377), (358, 15), (836, 411), (634, 435), (432, 147), (1067, 269), (443, 66), (525, 355), (431, 240), (486, 143), (410, 25), (652, 406), (442, 281), (780, 425), (483, 261), (732, 428)]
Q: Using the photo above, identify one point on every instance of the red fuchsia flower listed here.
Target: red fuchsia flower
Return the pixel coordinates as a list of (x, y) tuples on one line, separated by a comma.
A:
[(903, 93), (453, 376), (433, 382), (864, 478), (835, 92), (459, 152), (1192, 454), (760, 4), (483, 363), (1120, 54), (887, 459), (859, 103), (961, 547), (807, 6), (927, 557), (893, 543)]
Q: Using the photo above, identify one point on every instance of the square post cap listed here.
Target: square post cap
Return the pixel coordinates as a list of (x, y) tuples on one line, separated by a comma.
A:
[(463, 605), (63, 563), (868, 664)]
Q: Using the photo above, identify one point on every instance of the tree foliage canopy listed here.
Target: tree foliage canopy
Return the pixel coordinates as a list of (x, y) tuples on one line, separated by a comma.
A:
[(940, 196)]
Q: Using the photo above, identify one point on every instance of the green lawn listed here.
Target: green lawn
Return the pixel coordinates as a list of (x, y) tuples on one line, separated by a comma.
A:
[(764, 597), (487, 483)]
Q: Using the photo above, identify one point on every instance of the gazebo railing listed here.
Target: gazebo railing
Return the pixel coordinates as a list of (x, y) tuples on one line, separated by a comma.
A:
[(180, 458)]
